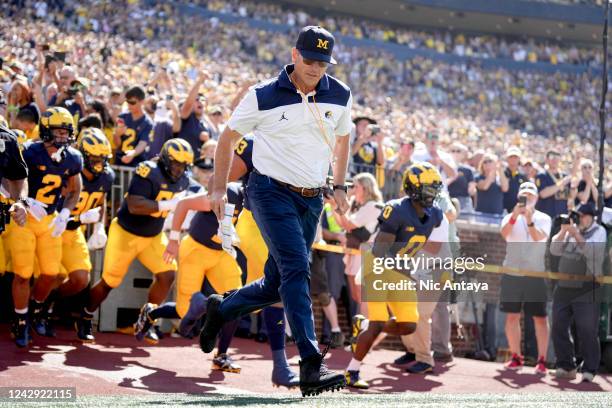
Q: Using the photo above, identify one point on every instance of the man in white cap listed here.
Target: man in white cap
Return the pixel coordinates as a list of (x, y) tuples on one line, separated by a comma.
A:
[(515, 177), (525, 230)]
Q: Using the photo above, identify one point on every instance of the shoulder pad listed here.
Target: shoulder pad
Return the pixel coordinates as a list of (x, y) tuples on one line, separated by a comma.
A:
[(144, 169)]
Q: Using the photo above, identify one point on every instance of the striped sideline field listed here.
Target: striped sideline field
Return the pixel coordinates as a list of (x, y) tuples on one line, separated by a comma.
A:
[(408, 399)]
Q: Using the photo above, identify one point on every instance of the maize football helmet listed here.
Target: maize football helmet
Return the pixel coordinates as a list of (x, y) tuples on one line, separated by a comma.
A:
[(95, 148), (175, 151), (422, 183), (56, 118)]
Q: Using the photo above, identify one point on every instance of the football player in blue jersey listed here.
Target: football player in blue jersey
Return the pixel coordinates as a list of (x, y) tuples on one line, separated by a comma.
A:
[(136, 232), (97, 178), (201, 256), (53, 165), (405, 225)]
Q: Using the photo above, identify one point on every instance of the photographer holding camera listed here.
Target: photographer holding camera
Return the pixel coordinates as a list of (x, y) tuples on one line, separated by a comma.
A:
[(367, 149), (581, 244), (525, 230)]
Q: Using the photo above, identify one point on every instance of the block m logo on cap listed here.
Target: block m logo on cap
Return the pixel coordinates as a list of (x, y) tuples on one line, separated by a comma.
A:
[(322, 43)]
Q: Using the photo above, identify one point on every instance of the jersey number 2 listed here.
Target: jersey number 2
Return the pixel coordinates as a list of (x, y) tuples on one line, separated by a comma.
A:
[(51, 182)]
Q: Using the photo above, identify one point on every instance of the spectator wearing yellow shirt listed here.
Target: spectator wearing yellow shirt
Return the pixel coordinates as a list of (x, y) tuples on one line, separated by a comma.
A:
[(26, 122)]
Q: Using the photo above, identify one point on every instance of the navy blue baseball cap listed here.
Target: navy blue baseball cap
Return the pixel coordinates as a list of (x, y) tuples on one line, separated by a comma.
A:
[(316, 43), (587, 209)]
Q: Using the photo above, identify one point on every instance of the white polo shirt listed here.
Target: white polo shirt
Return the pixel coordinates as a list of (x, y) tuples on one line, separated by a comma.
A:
[(521, 250), (289, 144)]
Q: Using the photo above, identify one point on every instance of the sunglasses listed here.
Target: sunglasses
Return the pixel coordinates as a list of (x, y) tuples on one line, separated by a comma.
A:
[(320, 64), (487, 161), (587, 167), (132, 101), (455, 151)]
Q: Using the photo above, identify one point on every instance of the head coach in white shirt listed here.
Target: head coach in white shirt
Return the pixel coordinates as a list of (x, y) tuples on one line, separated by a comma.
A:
[(300, 121), (525, 230)]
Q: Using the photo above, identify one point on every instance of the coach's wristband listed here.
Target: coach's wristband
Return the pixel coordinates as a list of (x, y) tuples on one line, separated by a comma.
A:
[(174, 235), (512, 221)]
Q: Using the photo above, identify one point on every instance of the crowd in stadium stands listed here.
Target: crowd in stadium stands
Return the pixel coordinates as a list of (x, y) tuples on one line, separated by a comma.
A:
[(483, 46), (486, 130), (573, 2)]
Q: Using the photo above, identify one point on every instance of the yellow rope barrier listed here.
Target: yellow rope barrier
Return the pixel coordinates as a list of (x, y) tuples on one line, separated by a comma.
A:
[(496, 269)]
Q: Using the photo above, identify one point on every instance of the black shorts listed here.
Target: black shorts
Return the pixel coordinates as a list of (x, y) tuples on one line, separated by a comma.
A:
[(318, 273), (523, 293), (326, 273)]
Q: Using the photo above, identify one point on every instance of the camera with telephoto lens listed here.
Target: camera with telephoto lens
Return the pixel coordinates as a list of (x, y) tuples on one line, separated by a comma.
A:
[(567, 219)]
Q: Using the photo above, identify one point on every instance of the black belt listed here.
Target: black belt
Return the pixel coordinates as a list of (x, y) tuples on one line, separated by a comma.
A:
[(303, 191)]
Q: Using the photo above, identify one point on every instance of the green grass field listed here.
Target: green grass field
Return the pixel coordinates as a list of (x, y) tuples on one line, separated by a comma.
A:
[(518, 399)]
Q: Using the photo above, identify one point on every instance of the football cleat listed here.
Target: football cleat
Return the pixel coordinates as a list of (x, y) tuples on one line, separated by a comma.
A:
[(213, 322), (21, 332), (43, 326), (223, 362), (84, 329), (144, 325), (353, 380), (356, 329), (316, 378)]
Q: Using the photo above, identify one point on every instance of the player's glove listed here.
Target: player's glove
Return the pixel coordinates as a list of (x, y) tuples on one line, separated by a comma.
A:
[(36, 209), (170, 205), (58, 225), (97, 240), (227, 232), (91, 216)]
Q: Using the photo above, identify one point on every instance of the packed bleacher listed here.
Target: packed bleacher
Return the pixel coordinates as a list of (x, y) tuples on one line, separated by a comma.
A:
[(480, 102), (461, 44)]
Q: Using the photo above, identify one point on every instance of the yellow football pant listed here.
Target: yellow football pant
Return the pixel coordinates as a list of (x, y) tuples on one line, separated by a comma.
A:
[(198, 262)]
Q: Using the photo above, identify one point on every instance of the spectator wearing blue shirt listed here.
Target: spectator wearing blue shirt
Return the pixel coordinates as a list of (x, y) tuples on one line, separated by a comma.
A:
[(491, 184), (166, 121), (367, 148), (193, 125), (463, 187), (134, 130), (553, 186)]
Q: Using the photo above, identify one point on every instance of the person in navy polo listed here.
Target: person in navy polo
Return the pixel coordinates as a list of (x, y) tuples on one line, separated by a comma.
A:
[(554, 186), (301, 121)]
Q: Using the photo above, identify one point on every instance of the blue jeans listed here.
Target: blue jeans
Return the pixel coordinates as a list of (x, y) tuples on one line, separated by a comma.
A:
[(288, 223)]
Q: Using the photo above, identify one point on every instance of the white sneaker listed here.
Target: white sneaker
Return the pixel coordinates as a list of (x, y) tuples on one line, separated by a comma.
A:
[(565, 374), (587, 377)]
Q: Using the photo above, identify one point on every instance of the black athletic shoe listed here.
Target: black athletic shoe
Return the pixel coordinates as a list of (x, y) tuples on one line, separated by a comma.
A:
[(43, 326), (407, 358), (84, 328), (21, 332), (336, 340), (316, 378), (213, 323)]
